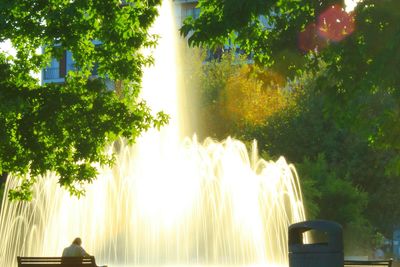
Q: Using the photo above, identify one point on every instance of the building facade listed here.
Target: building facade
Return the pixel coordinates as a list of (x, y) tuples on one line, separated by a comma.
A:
[(184, 9)]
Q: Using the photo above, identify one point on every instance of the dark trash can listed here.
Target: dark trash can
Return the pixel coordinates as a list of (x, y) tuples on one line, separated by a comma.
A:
[(325, 253)]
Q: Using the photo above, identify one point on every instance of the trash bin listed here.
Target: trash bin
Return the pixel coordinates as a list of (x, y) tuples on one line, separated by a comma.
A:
[(326, 253)]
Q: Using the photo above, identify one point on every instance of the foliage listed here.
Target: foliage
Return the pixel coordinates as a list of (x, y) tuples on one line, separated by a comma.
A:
[(214, 81), (267, 30), (252, 95), (65, 128), (333, 189), (58, 25), (362, 78), (336, 163), (327, 188), (361, 54), (235, 95), (322, 146)]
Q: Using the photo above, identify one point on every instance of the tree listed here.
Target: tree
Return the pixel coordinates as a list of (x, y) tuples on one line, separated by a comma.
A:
[(214, 76), (66, 127), (233, 95), (349, 206), (251, 96), (322, 147), (359, 48), (266, 29)]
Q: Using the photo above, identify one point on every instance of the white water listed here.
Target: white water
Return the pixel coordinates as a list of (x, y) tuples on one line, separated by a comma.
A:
[(167, 201)]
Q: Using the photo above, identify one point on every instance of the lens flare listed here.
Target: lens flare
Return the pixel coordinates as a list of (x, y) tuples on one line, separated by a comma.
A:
[(335, 24)]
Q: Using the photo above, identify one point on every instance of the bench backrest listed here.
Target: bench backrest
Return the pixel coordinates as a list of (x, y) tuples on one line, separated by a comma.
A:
[(56, 261), (376, 263)]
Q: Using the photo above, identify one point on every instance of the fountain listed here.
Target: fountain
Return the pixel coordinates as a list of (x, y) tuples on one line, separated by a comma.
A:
[(168, 200)]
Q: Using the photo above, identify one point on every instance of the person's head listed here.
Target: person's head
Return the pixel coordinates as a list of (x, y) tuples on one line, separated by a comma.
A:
[(77, 241)]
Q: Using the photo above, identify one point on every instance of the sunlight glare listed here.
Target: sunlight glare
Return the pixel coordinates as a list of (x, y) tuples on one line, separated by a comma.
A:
[(351, 4)]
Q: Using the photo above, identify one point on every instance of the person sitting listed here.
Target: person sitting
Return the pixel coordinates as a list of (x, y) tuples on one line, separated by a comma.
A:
[(75, 250)]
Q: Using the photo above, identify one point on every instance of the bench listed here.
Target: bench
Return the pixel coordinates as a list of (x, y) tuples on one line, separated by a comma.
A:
[(56, 261), (368, 263)]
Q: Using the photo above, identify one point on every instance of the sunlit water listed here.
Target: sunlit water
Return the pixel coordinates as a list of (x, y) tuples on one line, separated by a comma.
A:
[(167, 201)]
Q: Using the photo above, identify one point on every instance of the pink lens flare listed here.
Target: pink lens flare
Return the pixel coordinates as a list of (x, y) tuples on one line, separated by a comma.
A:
[(335, 24)]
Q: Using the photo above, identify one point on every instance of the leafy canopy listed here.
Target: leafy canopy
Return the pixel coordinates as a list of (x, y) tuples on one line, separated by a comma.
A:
[(66, 127), (266, 29), (360, 50)]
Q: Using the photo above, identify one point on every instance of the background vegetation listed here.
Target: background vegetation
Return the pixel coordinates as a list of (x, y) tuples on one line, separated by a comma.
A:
[(344, 177)]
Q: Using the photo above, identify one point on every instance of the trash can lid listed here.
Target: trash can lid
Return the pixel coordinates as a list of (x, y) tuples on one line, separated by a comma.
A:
[(333, 230), (322, 225)]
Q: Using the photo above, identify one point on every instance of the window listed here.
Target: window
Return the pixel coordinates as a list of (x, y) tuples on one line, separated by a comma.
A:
[(57, 68), (189, 9)]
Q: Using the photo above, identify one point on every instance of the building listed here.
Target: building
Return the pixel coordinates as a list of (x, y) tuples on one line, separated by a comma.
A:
[(56, 71), (185, 8)]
